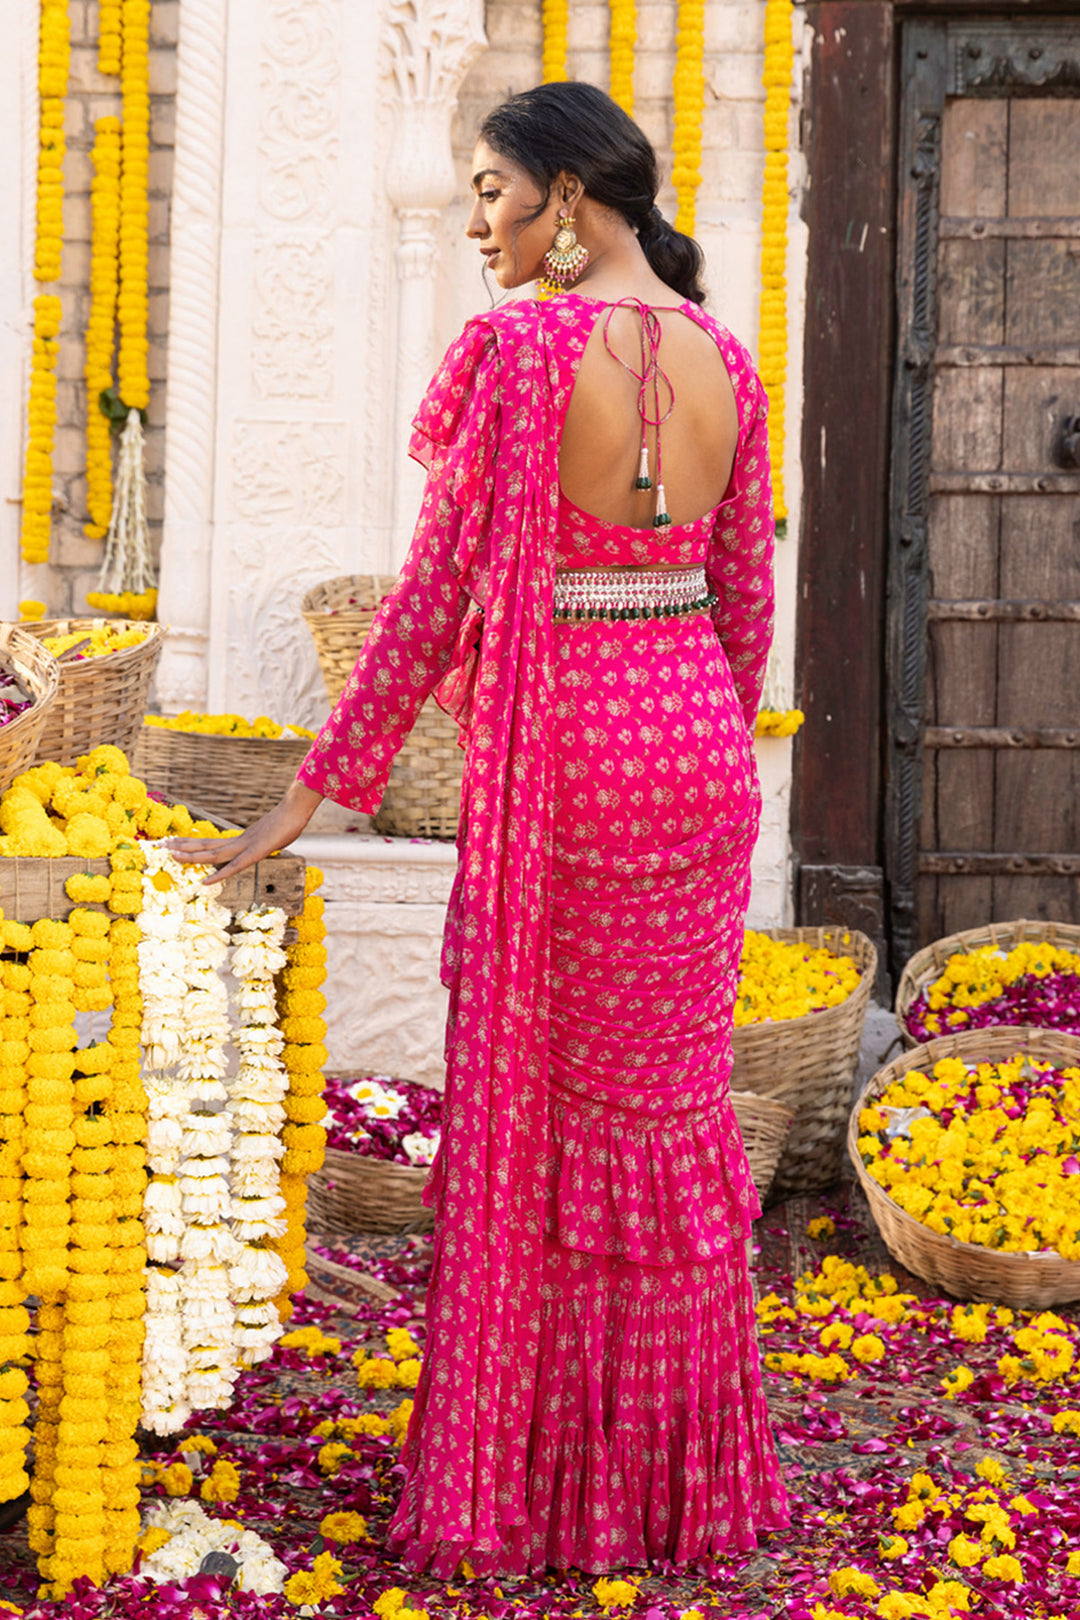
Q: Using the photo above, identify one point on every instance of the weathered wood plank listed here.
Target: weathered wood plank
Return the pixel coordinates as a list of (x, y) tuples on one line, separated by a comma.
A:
[(967, 422), (1042, 294), (946, 863), (31, 888), (1000, 737), (999, 483), (1035, 404), (1003, 354), (1044, 138), (958, 227), (974, 136), (1003, 612), (848, 141)]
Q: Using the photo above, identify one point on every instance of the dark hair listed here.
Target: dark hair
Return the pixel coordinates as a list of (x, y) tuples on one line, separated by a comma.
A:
[(578, 128)]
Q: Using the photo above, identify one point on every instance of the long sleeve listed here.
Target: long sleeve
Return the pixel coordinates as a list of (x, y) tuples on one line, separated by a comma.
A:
[(412, 639), (739, 567)]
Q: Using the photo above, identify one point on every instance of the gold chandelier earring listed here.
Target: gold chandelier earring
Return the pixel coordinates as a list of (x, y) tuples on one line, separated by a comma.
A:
[(564, 260)]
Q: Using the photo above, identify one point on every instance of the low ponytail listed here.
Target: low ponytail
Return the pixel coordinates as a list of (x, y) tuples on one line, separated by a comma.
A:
[(572, 126), (676, 258)]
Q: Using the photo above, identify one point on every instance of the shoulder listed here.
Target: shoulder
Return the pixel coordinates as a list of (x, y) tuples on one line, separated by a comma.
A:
[(749, 391)]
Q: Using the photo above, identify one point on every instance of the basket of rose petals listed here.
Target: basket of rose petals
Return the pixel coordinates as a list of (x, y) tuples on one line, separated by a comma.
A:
[(381, 1138), (1013, 973), (968, 1151), (29, 683)]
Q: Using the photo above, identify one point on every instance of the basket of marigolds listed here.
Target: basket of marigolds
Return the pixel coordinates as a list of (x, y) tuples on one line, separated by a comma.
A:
[(799, 1014), (29, 683), (423, 794), (381, 1139), (967, 1149), (106, 666), (1013, 973), (230, 767)]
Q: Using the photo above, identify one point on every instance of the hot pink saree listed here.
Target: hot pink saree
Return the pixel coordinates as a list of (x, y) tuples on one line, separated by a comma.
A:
[(590, 1393)]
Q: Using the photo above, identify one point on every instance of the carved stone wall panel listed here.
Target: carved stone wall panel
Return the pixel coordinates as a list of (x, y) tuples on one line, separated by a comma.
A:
[(292, 325), (388, 1011), (289, 472)]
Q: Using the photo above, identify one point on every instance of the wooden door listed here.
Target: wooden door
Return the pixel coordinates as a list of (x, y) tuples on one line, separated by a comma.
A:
[(983, 792)]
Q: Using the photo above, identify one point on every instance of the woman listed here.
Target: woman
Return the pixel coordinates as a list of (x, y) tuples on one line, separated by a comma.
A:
[(589, 591)]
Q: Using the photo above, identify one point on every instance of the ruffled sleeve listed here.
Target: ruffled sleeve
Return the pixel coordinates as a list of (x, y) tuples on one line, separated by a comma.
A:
[(739, 566), (419, 628)]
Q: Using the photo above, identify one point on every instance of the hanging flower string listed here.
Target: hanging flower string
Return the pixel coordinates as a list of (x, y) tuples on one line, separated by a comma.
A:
[(623, 38), (100, 328), (54, 55), (688, 91), (132, 379), (555, 15), (109, 26), (772, 316)]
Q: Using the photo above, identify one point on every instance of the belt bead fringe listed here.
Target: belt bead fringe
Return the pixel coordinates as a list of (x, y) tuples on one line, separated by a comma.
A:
[(642, 594)]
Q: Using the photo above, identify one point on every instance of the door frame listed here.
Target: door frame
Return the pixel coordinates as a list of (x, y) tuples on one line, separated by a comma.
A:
[(857, 767)]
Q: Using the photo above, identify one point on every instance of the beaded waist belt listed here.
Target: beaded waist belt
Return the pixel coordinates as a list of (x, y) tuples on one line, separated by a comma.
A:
[(631, 593)]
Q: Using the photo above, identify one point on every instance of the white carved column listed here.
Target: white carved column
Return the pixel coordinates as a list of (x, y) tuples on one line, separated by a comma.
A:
[(191, 418), (431, 44)]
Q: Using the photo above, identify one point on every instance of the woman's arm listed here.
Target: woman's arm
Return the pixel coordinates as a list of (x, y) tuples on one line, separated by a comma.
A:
[(413, 635), (739, 566)]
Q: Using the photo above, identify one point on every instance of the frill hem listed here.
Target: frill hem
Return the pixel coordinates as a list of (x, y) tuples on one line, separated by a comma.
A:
[(650, 1439), (657, 1192)]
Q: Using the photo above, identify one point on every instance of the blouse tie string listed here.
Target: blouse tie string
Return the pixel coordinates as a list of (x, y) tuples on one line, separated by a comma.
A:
[(650, 379)]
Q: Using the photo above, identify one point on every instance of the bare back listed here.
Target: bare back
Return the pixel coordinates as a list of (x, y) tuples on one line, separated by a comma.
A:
[(601, 443)]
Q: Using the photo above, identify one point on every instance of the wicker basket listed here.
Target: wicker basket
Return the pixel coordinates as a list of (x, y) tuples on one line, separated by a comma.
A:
[(808, 1063), (423, 796), (352, 1193), (929, 963), (39, 673), (968, 1270), (101, 700), (235, 778), (764, 1126)]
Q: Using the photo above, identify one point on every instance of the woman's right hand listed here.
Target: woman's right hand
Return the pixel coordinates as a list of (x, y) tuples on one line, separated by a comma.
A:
[(276, 830)]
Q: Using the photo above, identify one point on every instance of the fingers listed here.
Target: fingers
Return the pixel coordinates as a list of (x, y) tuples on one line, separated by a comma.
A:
[(240, 864), (203, 851)]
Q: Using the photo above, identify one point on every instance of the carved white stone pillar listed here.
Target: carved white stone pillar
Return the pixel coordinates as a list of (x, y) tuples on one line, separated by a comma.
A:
[(191, 426), (431, 45)]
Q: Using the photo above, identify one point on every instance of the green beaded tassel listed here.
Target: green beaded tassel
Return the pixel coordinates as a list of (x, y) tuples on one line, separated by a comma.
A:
[(663, 518), (643, 480)]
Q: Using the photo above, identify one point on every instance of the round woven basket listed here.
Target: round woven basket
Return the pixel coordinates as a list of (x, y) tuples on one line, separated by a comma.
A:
[(39, 674), (764, 1126), (238, 778), (101, 700), (968, 1270), (808, 1063), (353, 1193), (929, 963), (423, 795)]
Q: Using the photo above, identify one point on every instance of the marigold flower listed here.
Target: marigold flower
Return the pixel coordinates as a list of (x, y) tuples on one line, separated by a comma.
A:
[(849, 1581), (343, 1528)]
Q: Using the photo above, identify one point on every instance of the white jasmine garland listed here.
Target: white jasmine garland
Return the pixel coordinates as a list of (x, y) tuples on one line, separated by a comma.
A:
[(164, 1363), (256, 1097)]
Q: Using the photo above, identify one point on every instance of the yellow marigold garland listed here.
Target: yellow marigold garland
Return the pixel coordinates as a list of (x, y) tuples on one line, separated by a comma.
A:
[(556, 17), (109, 36), (125, 1105), (54, 55), (41, 413), (304, 1057), (100, 328), (133, 384), (772, 317), (14, 1317), (54, 58), (623, 38), (128, 604), (689, 97)]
